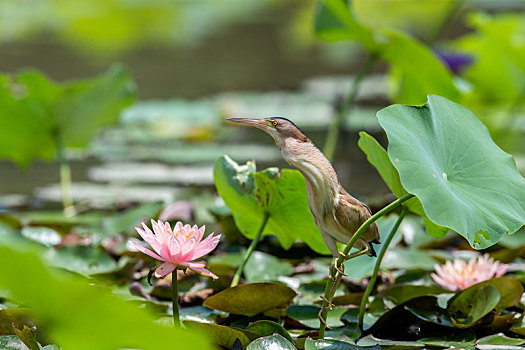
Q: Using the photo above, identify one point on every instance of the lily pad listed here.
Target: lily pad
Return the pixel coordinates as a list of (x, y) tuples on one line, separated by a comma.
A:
[(266, 328), (264, 267), (223, 335), (43, 235), (500, 339), (445, 156), (461, 340), (510, 290), (470, 305), (275, 341), (282, 194), (251, 299), (331, 344), (308, 315), (85, 260), (400, 293)]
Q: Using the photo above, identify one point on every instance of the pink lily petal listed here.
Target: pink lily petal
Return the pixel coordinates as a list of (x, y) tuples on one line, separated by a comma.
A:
[(187, 248), (206, 246), (146, 251), (174, 248), (200, 232), (164, 269), (192, 264), (149, 237), (204, 272)]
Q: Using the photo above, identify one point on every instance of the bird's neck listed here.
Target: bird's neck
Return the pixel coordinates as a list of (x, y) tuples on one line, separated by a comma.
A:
[(321, 180)]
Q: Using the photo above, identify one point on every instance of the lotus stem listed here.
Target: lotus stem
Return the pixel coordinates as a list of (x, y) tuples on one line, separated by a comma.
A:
[(175, 298), (249, 251), (329, 290), (335, 126), (65, 178), (373, 279)]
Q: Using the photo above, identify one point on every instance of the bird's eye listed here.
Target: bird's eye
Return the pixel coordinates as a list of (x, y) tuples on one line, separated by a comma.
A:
[(274, 123)]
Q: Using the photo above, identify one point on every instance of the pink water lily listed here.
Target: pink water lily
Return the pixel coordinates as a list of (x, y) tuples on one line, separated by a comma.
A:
[(461, 274), (177, 247)]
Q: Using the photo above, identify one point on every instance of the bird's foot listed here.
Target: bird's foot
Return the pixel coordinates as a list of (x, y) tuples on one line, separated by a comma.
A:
[(354, 255), (340, 269), (330, 304), (321, 318)]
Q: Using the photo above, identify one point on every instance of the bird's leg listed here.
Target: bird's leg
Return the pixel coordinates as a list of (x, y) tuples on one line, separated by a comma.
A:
[(354, 255)]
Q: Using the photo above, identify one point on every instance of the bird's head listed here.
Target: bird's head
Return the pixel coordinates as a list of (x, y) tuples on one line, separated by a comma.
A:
[(278, 128)]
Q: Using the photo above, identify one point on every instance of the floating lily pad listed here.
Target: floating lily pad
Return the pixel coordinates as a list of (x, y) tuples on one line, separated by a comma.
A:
[(85, 260), (331, 344), (266, 328), (470, 305), (460, 340), (43, 235), (445, 156), (275, 341), (308, 315), (223, 335), (282, 194), (265, 267), (500, 339), (251, 299), (510, 290), (400, 293)]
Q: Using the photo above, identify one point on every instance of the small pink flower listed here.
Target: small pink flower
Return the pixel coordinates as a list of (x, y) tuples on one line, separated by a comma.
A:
[(460, 274), (178, 247)]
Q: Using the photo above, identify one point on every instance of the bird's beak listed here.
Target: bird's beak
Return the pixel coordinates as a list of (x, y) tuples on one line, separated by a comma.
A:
[(258, 123)]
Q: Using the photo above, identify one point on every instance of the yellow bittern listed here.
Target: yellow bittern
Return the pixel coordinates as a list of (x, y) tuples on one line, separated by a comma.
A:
[(337, 214)]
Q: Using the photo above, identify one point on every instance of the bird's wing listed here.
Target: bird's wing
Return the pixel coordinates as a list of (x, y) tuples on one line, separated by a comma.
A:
[(351, 213)]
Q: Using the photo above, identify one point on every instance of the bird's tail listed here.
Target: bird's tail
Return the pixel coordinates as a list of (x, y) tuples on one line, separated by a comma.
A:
[(376, 240)]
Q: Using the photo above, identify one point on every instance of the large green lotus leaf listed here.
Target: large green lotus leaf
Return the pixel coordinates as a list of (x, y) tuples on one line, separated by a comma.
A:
[(251, 299), (282, 194), (35, 111), (378, 157), (411, 79), (74, 312), (446, 157)]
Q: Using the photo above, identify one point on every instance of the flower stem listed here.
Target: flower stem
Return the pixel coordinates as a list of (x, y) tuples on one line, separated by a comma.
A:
[(329, 289), (370, 286), (335, 126), (175, 298), (65, 178), (249, 252)]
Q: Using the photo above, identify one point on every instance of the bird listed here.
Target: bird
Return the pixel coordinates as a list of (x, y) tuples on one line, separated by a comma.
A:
[(336, 213)]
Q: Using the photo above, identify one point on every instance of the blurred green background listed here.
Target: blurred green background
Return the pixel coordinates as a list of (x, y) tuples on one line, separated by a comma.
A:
[(196, 62)]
